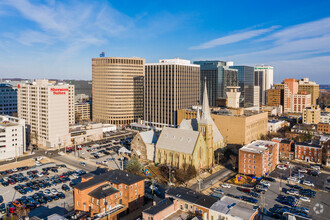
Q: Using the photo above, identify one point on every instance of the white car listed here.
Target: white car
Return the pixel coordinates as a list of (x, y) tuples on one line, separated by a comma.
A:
[(266, 184), (315, 167), (39, 158), (293, 179), (281, 167), (14, 169), (47, 192), (293, 192), (10, 158), (54, 191), (37, 163), (299, 176), (40, 174), (225, 185), (305, 199), (308, 183), (302, 171)]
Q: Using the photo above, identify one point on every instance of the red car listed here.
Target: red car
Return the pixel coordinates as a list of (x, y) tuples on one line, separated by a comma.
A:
[(11, 182), (12, 210), (62, 176), (16, 203)]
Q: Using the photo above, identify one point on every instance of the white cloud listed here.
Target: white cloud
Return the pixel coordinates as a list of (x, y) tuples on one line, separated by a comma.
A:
[(233, 38)]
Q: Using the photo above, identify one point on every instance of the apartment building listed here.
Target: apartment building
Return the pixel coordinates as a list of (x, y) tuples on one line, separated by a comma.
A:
[(286, 148), (325, 117), (117, 90), (310, 152), (12, 137), (49, 109), (311, 115), (170, 85), (109, 194), (258, 158)]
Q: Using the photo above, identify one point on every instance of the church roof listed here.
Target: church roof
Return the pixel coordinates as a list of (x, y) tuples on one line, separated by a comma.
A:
[(149, 137), (179, 140), (206, 113)]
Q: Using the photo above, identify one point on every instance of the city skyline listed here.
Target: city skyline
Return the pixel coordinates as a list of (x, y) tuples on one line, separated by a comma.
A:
[(56, 39)]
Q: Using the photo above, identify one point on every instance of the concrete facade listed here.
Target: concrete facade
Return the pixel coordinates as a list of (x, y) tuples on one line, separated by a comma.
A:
[(246, 127), (264, 76), (311, 115), (117, 90), (309, 87), (83, 111), (42, 104), (12, 137), (169, 85)]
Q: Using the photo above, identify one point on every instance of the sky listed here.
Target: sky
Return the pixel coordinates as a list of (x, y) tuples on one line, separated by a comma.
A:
[(58, 39)]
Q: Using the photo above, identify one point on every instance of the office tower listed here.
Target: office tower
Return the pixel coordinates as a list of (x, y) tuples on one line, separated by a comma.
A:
[(264, 76), (83, 111), (304, 85), (170, 85), (246, 82), (12, 137), (8, 99), (48, 108), (275, 97), (218, 76), (233, 96), (117, 90)]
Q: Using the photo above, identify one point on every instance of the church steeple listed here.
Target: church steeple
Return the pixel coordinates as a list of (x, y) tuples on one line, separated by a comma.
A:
[(206, 116)]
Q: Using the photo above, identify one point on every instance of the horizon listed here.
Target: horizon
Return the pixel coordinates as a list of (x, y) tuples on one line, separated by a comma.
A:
[(49, 39)]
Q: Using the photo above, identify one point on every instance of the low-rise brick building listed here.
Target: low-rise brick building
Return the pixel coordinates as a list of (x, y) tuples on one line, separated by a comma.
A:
[(286, 148), (110, 193), (258, 158), (310, 152), (323, 128)]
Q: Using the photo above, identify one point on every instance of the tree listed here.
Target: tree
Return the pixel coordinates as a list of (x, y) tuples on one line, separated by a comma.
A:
[(185, 174), (233, 160), (133, 165)]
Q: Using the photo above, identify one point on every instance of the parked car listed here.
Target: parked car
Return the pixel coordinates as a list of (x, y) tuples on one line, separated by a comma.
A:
[(225, 185), (2, 208), (308, 183), (219, 191), (83, 164), (305, 199)]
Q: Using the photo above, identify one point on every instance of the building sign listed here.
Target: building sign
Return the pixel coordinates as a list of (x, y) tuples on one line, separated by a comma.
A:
[(60, 91)]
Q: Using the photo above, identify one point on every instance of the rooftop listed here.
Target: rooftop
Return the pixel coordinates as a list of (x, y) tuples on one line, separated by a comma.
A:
[(103, 191), (258, 146), (160, 206), (113, 176), (233, 207), (192, 196), (315, 144)]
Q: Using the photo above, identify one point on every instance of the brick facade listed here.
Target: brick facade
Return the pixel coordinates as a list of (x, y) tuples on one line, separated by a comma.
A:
[(286, 148), (323, 128), (308, 152)]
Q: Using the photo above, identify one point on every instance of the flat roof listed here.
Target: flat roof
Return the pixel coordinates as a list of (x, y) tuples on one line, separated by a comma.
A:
[(258, 146)]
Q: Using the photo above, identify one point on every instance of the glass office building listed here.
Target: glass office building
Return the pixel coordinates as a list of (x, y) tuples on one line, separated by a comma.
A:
[(218, 76), (246, 83), (8, 99)]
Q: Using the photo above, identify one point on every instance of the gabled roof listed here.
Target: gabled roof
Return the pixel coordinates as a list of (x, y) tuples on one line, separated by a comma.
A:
[(180, 140), (149, 137)]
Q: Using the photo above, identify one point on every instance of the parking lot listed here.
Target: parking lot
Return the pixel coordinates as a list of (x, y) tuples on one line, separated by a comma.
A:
[(31, 188), (105, 153), (271, 198)]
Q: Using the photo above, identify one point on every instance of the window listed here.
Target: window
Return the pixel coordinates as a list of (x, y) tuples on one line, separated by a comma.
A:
[(103, 201), (97, 202), (116, 196), (135, 185), (125, 187), (131, 186), (200, 211), (77, 191), (186, 206), (92, 200), (254, 156), (244, 155), (135, 192), (254, 161), (77, 203)]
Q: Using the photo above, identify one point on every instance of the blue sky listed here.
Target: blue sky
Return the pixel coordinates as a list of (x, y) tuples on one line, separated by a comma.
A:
[(57, 39)]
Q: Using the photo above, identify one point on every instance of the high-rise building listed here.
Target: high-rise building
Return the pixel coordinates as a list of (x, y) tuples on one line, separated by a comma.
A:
[(264, 76), (304, 85), (275, 97), (246, 82), (293, 101), (218, 76), (311, 115), (170, 85), (8, 99), (12, 137), (117, 90), (83, 111), (49, 110)]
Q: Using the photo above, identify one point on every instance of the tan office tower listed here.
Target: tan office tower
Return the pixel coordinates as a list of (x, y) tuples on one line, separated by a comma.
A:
[(304, 85), (117, 90), (48, 108), (170, 85)]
